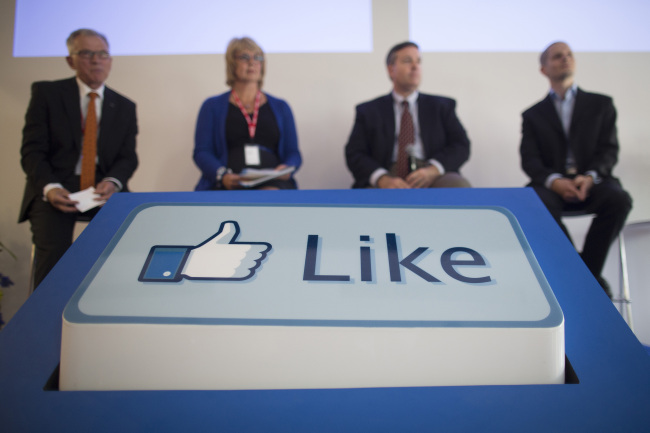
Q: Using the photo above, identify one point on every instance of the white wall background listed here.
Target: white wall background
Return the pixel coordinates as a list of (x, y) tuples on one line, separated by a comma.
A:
[(491, 90)]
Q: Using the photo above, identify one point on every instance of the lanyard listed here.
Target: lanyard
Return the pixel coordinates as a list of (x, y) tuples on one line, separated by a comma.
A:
[(252, 123)]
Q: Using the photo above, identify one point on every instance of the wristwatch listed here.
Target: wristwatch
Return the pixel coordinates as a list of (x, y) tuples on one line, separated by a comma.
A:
[(221, 172)]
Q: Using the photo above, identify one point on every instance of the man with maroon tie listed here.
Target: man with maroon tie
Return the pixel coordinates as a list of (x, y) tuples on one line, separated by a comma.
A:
[(407, 139)]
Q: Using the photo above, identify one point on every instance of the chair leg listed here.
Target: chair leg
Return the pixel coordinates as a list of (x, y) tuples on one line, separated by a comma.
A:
[(32, 270), (624, 295)]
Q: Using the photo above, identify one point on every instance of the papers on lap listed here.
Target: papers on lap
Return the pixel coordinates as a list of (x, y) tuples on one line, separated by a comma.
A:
[(86, 199), (252, 177)]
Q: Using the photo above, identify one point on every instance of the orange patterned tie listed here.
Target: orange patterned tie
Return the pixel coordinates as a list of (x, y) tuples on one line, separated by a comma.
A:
[(406, 136), (89, 149)]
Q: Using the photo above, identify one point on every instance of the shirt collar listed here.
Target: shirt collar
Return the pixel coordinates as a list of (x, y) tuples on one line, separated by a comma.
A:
[(84, 89), (569, 95), (412, 98)]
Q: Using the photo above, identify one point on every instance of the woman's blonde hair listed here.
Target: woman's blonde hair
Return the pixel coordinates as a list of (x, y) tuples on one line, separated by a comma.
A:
[(235, 46)]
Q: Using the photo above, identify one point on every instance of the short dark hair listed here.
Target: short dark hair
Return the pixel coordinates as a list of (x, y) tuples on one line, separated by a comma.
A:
[(392, 54), (83, 32), (544, 56)]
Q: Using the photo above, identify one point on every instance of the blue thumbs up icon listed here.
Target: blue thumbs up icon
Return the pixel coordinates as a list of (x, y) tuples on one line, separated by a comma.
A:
[(220, 257)]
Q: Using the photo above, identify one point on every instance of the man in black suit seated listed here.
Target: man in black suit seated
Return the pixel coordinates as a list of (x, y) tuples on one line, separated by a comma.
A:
[(568, 149), (51, 152), (407, 139)]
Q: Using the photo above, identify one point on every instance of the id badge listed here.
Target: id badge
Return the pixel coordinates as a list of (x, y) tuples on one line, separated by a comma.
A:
[(252, 154)]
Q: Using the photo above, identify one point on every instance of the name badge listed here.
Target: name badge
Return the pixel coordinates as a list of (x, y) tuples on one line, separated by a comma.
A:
[(252, 154)]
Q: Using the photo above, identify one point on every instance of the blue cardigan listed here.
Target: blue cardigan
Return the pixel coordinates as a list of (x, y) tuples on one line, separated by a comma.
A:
[(210, 149)]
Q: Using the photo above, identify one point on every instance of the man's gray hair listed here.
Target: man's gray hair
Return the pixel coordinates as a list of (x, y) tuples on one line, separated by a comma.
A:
[(82, 32)]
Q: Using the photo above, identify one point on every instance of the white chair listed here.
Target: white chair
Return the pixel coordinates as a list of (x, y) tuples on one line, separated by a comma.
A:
[(634, 245)]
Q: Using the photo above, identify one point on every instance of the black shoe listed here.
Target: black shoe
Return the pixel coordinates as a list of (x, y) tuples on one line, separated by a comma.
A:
[(605, 285)]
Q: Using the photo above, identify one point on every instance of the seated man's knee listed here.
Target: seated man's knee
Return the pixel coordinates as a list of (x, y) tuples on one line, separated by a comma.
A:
[(621, 200), (626, 200), (451, 180)]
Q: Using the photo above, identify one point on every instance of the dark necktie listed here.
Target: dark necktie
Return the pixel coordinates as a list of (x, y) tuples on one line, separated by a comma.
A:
[(406, 137), (89, 149)]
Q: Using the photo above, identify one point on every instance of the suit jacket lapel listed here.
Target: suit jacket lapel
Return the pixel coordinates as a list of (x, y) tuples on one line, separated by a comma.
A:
[(72, 108), (387, 125), (550, 112), (108, 117), (426, 127), (387, 112), (578, 110)]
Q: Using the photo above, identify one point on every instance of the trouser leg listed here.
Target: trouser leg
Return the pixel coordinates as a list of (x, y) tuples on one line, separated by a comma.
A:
[(52, 232), (611, 205)]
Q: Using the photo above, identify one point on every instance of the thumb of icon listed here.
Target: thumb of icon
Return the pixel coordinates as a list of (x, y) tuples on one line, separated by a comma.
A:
[(220, 257), (227, 233)]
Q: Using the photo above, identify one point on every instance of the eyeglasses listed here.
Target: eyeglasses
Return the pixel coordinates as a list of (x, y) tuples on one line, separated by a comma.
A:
[(88, 54), (247, 58), (410, 60)]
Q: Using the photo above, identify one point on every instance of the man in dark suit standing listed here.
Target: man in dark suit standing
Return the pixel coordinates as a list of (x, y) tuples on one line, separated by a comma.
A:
[(568, 149), (53, 138), (407, 139)]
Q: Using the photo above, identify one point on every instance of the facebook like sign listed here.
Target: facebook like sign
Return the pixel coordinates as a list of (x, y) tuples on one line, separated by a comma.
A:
[(196, 296), (218, 258)]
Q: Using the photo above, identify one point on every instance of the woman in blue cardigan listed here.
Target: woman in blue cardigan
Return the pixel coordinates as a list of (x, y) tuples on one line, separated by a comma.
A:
[(244, 128)]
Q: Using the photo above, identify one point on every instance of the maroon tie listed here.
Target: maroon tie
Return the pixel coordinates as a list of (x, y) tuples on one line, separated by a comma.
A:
[(405, 138), (89, 149)]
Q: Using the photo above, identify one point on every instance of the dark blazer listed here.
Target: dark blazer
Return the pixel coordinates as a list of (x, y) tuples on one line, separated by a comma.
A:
[(52, 139), (592, 137), (372, 140)]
